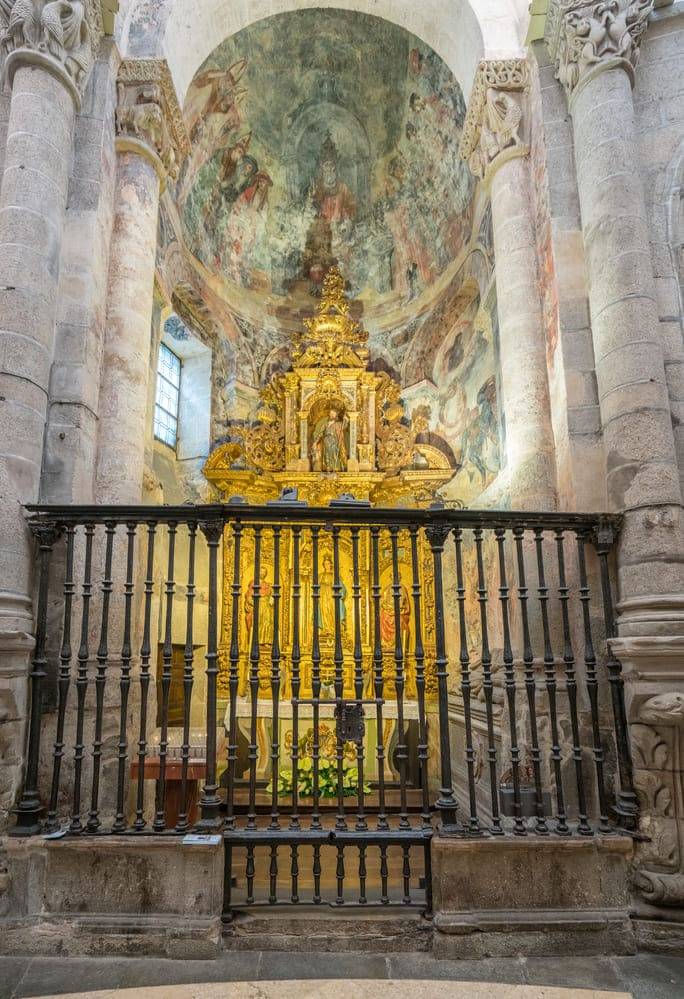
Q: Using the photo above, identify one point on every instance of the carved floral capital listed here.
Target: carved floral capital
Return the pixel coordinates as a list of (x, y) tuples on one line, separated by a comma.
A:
[(585, 38), (496, 123), (62, 36), (148, 115)]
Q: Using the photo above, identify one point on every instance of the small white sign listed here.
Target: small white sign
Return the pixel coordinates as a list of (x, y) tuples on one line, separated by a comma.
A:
[(197, 839), (57, 834)]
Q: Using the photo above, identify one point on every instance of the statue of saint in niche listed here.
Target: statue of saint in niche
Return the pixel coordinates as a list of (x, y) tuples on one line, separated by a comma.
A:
[(328, 446)]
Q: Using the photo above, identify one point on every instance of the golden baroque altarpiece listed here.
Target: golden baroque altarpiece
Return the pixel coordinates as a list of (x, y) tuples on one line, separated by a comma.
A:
[(329, 427)]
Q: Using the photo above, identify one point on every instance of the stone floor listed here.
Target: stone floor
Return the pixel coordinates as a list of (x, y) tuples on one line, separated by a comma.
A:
[(645, 976)]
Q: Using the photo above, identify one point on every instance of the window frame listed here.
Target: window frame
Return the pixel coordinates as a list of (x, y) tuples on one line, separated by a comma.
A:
[(175, 388)]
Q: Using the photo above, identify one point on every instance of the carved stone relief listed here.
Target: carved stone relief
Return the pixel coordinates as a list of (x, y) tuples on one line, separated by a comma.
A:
[(584, 36), (495, 126), (657, 749), (68, 32), (148, 112)]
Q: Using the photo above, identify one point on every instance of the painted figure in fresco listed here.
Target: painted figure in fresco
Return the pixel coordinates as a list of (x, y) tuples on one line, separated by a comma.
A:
[(333, 199), (265, 591), (326, 609), (329, 450), (480, 441), (387, 623), (236, 171)]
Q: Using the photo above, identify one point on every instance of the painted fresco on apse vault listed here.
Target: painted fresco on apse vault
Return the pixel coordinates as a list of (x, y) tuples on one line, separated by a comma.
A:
[(324, 137)]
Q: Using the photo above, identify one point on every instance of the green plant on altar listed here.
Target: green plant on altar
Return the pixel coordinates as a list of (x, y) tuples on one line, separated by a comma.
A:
[(327, 779)]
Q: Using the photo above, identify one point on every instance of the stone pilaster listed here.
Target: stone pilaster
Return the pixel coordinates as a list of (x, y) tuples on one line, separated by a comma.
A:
[(595, 47), (151, 139), (495, 144), (45, 58)]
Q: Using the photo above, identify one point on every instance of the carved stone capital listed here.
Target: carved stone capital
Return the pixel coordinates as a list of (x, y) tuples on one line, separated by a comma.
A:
[(62, 36), (148, 116), (496, 124), (586, 37)]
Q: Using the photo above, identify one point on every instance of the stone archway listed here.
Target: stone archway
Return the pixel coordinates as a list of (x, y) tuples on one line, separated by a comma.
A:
[(460, 31)]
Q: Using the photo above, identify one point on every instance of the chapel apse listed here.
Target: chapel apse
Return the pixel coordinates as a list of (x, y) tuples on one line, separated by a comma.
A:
[(324, 137)]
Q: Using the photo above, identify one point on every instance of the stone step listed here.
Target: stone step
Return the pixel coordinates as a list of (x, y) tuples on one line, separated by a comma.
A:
[(323, 930)]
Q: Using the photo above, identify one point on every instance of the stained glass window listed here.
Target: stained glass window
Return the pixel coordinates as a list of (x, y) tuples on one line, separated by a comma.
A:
[(167, 398)]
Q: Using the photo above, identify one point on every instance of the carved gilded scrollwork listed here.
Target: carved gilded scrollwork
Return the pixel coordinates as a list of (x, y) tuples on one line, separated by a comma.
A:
[(495, 125), (148, 113), (584, 37), (330, 414)]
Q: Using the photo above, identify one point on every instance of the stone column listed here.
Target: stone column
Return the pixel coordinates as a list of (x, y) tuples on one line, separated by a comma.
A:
[(595, 47), (495, 144), (150, 139), (46, 77)]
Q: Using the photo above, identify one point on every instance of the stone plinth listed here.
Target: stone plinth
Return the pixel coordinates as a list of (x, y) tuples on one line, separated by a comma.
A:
[(113, 895), (536, 895)]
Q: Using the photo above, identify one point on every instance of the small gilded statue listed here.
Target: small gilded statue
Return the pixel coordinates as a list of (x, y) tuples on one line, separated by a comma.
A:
[(328, 447)]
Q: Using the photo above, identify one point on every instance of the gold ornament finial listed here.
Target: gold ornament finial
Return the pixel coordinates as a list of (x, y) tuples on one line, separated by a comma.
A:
[(332, 338)]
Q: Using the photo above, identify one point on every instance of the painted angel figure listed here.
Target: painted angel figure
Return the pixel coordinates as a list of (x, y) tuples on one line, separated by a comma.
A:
[(329, 450)]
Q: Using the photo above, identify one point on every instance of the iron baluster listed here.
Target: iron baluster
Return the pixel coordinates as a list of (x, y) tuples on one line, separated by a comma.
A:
[(363, 874), (275, 680), (317, 871), (519, 827), (295, 659), (210, 803), (626, 805), (64, 678), (30, 807), (419, 655), (541, 826), (340, 821), (591, 682), (583, 826), (125, 682), (378, 681), (339, 873), (233, 678), (102, 656), (145, 653), (402, 749), (384, 876), (315, 677), (464, 659), (361, 822), (273, 876), (188, 677), (249, 873), (406, 873), (446, 802), (294, 873), (487, 684), (82, 679), (159, 823), (254, 658)]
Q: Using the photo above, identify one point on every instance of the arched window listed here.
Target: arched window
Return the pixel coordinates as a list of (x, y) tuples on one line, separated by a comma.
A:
[(167, 398)]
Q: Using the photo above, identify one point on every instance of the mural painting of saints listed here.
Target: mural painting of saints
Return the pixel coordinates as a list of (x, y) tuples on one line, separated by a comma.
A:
[(333, 199), (329, 449), (326, 610), (387, 622), (265, 591)]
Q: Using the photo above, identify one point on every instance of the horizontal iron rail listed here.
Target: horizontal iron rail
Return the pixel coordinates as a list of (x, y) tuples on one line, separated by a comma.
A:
[(352, 513), (328, 837)]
